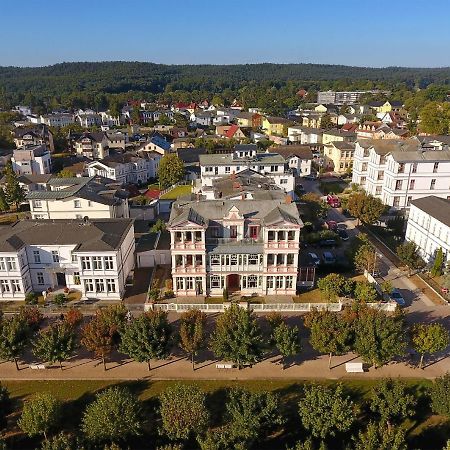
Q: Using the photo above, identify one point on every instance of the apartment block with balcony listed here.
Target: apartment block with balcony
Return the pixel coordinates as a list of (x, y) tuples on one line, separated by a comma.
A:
[(93, 257), (246, 246), (399, 172), (92, 145), (271, 165)]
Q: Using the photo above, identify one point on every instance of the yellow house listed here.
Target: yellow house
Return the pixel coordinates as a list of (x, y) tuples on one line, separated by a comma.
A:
[(275, 125), (336, 135), (386, 107), (339, 156)]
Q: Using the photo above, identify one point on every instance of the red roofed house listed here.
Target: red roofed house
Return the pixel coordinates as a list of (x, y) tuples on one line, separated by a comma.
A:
[(234, 132)]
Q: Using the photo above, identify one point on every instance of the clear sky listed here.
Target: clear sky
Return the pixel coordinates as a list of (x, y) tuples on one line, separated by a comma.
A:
[(352, 32)]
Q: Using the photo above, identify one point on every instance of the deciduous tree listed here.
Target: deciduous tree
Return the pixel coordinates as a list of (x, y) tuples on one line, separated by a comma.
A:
[(440, 395), (378, 437), (330, 333), (14, 193), (365, 207), (429, 338), (40, 414), (96, 336), (14, 338), (326, 410), (237, 336), (56, 343), (408, 254), (183, 411), (286, 340), (331, 286), (392, 401), (171, 170), (147, 337), (365, 292), (192, 332), (115, 415)]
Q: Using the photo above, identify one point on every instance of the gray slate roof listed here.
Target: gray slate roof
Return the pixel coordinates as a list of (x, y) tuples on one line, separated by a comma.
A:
[(93, 235), (436, 207), (227, 159)]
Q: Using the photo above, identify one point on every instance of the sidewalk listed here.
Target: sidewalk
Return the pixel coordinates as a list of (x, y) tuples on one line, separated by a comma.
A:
[(180, 368)]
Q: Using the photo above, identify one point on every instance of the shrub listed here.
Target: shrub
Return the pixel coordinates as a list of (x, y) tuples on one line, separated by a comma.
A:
[(31, 298), (59, 299), (440, 395)]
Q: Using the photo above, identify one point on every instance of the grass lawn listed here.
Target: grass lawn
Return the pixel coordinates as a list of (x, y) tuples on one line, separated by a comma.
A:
[(424, 431), (177, 192), (153, 186), (336, 187), (311, 296)]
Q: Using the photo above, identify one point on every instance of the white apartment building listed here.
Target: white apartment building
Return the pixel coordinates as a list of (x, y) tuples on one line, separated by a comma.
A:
[(93, 257), (298, 158), (248, 246), (32, 160), (271, 165), (77, 198), (429, 226), (57, 120), (399, 172), (92, 145), (127, 168), (110, 120), (305, 135), (88, 119)]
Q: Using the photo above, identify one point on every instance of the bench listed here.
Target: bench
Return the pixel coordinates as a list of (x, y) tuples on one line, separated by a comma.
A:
[(354, 367), (224, 366), (37, 366)]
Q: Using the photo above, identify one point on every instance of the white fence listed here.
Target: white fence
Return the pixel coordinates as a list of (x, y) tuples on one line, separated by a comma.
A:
[(256, 307)]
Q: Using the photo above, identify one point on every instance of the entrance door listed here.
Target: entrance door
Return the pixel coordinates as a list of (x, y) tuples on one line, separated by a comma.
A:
[(60, 279), (233, 282)]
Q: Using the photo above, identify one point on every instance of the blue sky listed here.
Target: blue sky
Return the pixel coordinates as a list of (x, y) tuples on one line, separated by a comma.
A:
[(363, 33)]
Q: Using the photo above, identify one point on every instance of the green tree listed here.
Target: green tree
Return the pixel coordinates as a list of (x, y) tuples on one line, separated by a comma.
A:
[(40, 414), (65, 173), (435, 118), (4, 206), (147, 337), (14, 338), (164, 120), (326, 122), (14, 193), (365, 292), (429, 338), (440, 395), (251, 415), (183, 411), (192, 332), (436, 270), (56, 343), (378, 437), (408, 253), (5, 406), (392, 401), (115, 415), (331, 286), (287, 341), (171, 170), (325, 410), (379, 337), (330, 333), (365, 207), (237, 336), (160, 225), (315, 208), (366, 258), (62, 441)]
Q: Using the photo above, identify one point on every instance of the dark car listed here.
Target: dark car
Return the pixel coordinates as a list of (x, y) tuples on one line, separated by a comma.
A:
[(343, 234), (331, 225), (397, 297), (327, 243)]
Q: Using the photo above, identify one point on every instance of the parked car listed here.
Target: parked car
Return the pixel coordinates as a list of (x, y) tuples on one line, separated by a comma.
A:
[(327, 243), (333, 201), (312, 176), (328, 258), (331, 225), (342, 234), (397, 297), (314, 258)]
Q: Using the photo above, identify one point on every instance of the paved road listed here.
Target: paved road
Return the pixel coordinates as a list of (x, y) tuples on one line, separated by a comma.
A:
[(420, 307)]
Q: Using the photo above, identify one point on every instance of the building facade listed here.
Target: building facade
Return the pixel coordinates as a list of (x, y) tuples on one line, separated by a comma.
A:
[(93, 257), (399, 172), (245, 246), (33, 160)]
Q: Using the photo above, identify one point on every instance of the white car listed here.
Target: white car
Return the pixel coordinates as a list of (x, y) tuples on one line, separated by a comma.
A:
[(314, 258)]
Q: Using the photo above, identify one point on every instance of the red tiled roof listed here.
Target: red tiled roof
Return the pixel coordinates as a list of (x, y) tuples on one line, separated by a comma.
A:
[(231, 131)]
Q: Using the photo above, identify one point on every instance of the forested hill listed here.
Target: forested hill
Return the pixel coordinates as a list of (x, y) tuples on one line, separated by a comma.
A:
[(271, 87), (114, 77)]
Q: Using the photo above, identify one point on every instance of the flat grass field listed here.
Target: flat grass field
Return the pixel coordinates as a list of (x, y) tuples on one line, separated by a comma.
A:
[(424, 431), (177, 192)]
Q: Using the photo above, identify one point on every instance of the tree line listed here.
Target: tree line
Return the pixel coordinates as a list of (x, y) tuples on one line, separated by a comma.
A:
[(237, 335), (184, 416)]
